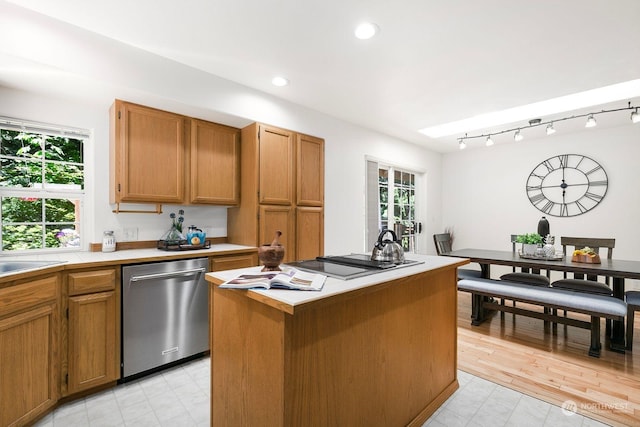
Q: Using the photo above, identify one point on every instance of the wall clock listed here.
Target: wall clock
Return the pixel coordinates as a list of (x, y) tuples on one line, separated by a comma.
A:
[(567, 185)]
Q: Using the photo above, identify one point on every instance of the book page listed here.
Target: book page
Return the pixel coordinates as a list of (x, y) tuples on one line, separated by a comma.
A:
[(289, 278)]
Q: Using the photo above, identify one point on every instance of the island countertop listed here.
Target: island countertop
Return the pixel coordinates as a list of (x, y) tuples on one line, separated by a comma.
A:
[(291, 301)]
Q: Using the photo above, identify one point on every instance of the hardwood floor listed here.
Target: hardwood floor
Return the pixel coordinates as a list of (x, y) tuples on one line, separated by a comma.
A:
[(515, 352)]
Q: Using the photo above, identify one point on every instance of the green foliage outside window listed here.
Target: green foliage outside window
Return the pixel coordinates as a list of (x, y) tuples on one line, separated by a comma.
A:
[(33, 162)]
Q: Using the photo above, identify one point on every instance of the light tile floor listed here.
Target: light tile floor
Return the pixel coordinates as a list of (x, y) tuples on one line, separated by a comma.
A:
[(180, 397)]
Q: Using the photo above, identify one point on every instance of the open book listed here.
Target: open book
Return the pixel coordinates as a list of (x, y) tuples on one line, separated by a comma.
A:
[(288, 278)]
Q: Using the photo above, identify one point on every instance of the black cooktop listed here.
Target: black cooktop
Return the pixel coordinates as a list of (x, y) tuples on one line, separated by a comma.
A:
[(347, 266)]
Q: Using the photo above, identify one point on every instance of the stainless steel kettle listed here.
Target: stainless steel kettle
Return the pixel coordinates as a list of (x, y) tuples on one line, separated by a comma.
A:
[(388, 250)]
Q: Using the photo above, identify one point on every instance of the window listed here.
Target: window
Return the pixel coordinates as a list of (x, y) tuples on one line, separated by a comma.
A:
[(391, 204), (401, 185), (41, 186)]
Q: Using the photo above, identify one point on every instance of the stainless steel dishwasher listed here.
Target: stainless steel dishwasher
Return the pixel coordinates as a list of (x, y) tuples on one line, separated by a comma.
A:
[(164, 314)]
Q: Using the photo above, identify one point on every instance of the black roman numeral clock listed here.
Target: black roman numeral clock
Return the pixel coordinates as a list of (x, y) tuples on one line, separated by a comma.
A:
[(567, 185)]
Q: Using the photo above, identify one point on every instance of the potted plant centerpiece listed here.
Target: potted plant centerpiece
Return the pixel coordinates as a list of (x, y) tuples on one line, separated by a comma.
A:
[(530, 242)]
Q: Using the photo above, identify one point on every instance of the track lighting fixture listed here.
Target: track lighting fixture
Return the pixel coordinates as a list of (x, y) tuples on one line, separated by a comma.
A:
[(550, 129), (518, 136)]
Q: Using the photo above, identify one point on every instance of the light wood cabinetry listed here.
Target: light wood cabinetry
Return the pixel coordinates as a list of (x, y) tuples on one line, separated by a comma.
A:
[(215, 164), (161, 157), (276, 165), (231, 262), (309, 222), (147, 154), (93, 324), (282, 178), (309, 171), (29, 354)]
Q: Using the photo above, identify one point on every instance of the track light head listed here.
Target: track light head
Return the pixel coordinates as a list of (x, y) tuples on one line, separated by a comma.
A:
[(635, 117), (591, 122), (518, 136), (462, 144), (489, 142), (550, 129)]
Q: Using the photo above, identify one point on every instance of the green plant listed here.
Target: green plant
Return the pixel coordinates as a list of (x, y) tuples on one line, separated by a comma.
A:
[(529, 239)]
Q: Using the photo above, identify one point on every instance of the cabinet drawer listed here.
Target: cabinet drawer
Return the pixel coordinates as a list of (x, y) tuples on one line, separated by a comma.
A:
[(233, 262), (27, 295), (92, 281)]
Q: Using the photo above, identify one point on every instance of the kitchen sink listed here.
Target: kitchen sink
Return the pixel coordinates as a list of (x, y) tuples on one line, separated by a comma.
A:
[(13, 266)]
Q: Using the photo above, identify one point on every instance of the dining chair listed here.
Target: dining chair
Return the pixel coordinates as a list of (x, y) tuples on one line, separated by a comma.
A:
[(443, 244), (590, 284), (579, 282), (633, 304), (524, 276)]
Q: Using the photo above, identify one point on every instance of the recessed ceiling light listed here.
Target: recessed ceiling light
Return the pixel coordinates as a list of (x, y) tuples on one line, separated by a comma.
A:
[(366, 30), (279, 81)]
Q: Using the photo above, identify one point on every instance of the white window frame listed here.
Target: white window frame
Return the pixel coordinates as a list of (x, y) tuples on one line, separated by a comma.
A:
[(372, 203), (50, 191)]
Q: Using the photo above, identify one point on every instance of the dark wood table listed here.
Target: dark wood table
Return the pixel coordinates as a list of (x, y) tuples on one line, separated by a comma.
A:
[(618, 270)]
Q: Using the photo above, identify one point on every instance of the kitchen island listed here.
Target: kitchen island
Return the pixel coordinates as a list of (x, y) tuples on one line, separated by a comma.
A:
[(378, 350)]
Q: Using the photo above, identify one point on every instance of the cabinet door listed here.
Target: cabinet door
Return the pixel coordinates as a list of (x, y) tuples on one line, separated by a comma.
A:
[(148, 155), (277, 164), (215, 164), (309, 171), (282, 218), (309, 232), (28, 365), (92, 341), (232, 262)]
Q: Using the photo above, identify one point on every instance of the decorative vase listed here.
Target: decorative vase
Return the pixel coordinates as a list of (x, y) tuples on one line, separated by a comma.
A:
[(529, 248), (543, 227), (173, 237)]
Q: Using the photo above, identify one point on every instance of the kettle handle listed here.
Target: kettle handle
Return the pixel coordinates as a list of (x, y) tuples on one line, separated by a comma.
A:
[(379, 244)]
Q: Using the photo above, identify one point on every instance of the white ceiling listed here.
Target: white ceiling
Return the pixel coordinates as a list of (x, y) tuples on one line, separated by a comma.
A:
[(434, 61)]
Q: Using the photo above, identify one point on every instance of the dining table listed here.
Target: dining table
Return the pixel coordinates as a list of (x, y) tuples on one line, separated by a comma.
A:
[(617, 269)]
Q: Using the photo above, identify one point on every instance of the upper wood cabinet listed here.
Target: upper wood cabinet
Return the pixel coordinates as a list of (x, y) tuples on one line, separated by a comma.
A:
[(309, 171), (281, 172), (147, 154), (276, 166), (215, 164), (162, 157)]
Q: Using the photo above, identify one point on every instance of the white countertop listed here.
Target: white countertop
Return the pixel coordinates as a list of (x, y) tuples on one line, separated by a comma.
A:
[(333, 286), (123, 257)]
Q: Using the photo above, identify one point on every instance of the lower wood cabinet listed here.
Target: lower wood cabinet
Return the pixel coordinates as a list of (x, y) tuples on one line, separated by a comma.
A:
[(29, 354), (93, 324), (60, 336), (231, 262), (278, 218)]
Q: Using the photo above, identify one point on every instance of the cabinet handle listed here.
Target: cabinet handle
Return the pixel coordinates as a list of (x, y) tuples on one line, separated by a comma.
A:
[(170, 274)]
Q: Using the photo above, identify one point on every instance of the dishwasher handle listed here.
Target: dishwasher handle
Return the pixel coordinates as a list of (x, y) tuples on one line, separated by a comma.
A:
[(168, 274)]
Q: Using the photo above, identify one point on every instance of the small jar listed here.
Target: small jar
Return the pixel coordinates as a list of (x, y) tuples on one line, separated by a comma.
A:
[(108, 241)]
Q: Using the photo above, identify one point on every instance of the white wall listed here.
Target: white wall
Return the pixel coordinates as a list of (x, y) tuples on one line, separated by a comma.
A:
[(91, 71), (485, 201), (346, 149)]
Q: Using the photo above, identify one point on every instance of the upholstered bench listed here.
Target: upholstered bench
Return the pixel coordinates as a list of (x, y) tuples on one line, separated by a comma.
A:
[(596, 306)]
